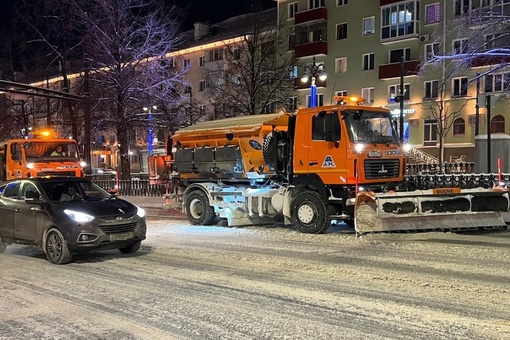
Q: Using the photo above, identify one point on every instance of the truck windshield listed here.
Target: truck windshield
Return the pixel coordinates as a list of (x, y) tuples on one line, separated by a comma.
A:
[(48, 150), (366, 126)]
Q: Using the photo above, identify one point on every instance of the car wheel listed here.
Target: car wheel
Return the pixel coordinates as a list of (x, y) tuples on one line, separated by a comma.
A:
[(131, 248), (56, 248), (2, 245), (309, 213), (198, 210)]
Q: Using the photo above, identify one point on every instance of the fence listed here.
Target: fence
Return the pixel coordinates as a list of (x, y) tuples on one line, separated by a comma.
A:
[(418, 176)]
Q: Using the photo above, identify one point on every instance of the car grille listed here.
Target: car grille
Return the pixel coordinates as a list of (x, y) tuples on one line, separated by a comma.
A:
[(118, 228), (380, 168)]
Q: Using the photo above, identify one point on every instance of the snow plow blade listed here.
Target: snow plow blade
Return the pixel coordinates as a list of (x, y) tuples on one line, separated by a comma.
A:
[(446, 209)]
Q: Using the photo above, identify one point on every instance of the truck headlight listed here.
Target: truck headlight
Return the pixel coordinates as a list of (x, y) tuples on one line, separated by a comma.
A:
[(83, 164), (359, 147), (30, 165)]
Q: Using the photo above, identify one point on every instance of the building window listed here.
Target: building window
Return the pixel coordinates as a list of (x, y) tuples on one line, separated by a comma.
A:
[(309, 33), (433, 13), (431, 89), (293, 8), (341, 65), (498, 124), (368, 61), (236, 54), (341, 2), (292, 104), (461, 7), (368, 94), (499, 40), (460, 46), (369, 26), (341, 31), (497, 82), (400, 19), (394, 91), (431, 50), (216, 55), (460, 86), (429, 132), (201, 61), (201, 109), (319, 100), (342, 93), (293, 72), (316, 4), (187, 63), (202, 86), (396, 55), (187, 89), (459, 126)]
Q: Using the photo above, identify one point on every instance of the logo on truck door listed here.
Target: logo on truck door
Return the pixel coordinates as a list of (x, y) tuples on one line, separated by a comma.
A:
[(328, 162)]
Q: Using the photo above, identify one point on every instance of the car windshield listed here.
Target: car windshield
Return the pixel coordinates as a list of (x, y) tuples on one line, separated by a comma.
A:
[(74, 191), (47, 150), (370, 127)]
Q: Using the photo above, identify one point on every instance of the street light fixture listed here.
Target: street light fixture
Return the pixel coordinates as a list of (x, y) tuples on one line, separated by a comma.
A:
[(313, 71), (150, 138)]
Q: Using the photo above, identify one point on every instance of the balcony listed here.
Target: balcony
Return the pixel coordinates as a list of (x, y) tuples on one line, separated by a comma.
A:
[(489, 60), (387, 71), (315, 14), (314, 48)]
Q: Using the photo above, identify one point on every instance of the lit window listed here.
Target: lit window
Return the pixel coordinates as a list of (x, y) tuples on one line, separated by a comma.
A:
[(341, 65), (400, 19), (433, 13), (369, 26), (368, 94)]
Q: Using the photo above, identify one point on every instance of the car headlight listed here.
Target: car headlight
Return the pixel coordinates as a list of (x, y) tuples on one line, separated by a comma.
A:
[(30, 165), (140, 212), (79, 216), (83, 164)]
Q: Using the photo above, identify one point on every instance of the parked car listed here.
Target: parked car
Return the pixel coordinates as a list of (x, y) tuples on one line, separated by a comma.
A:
[(67, 215)]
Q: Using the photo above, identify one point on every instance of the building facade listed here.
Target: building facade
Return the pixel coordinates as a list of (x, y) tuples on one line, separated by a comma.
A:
[(368, 47)]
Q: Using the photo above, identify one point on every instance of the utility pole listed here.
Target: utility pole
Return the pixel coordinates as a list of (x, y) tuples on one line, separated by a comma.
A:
[(86, 120), (477, 106), (488, 106)]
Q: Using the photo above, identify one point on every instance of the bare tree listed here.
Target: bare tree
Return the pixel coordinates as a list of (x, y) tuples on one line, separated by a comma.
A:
[(252, 74), (129, 42)]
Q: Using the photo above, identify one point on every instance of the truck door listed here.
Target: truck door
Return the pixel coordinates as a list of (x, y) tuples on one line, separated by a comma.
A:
[(321, 151), (8, 206)]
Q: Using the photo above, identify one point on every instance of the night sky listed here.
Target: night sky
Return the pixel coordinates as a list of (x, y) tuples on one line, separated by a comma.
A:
[(195, 10)]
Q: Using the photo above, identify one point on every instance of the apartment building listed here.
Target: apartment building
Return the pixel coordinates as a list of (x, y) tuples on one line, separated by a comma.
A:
[(366, 46)]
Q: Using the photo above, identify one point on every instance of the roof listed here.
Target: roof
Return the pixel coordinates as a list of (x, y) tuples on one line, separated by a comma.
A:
[(231, 27)]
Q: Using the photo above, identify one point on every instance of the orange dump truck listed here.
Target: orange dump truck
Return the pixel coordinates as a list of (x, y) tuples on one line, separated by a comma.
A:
[(43, 154), (309, 169)]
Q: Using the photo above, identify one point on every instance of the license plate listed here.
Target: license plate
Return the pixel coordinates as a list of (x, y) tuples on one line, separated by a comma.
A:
[(121, 237)]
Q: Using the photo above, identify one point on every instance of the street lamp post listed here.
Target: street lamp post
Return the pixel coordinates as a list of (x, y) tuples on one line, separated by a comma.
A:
[(150, 137), (313, 71)]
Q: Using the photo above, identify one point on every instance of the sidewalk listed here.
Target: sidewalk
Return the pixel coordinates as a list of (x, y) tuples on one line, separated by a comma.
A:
[(156, 206)]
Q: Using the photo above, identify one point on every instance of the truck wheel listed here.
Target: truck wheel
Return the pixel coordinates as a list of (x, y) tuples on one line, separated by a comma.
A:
[(198, 210), (2, 245), (56, 248), (133, 248), (268, 150), (309, 213)]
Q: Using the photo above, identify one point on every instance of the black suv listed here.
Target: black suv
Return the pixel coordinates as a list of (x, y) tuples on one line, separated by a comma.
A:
[(64, 216)]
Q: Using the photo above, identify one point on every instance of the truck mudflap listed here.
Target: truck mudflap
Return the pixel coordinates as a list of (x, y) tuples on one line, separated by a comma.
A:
[(445, 209)]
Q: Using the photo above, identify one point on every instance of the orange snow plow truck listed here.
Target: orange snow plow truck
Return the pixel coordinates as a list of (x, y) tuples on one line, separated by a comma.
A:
[(332, 163), (43, 154)]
